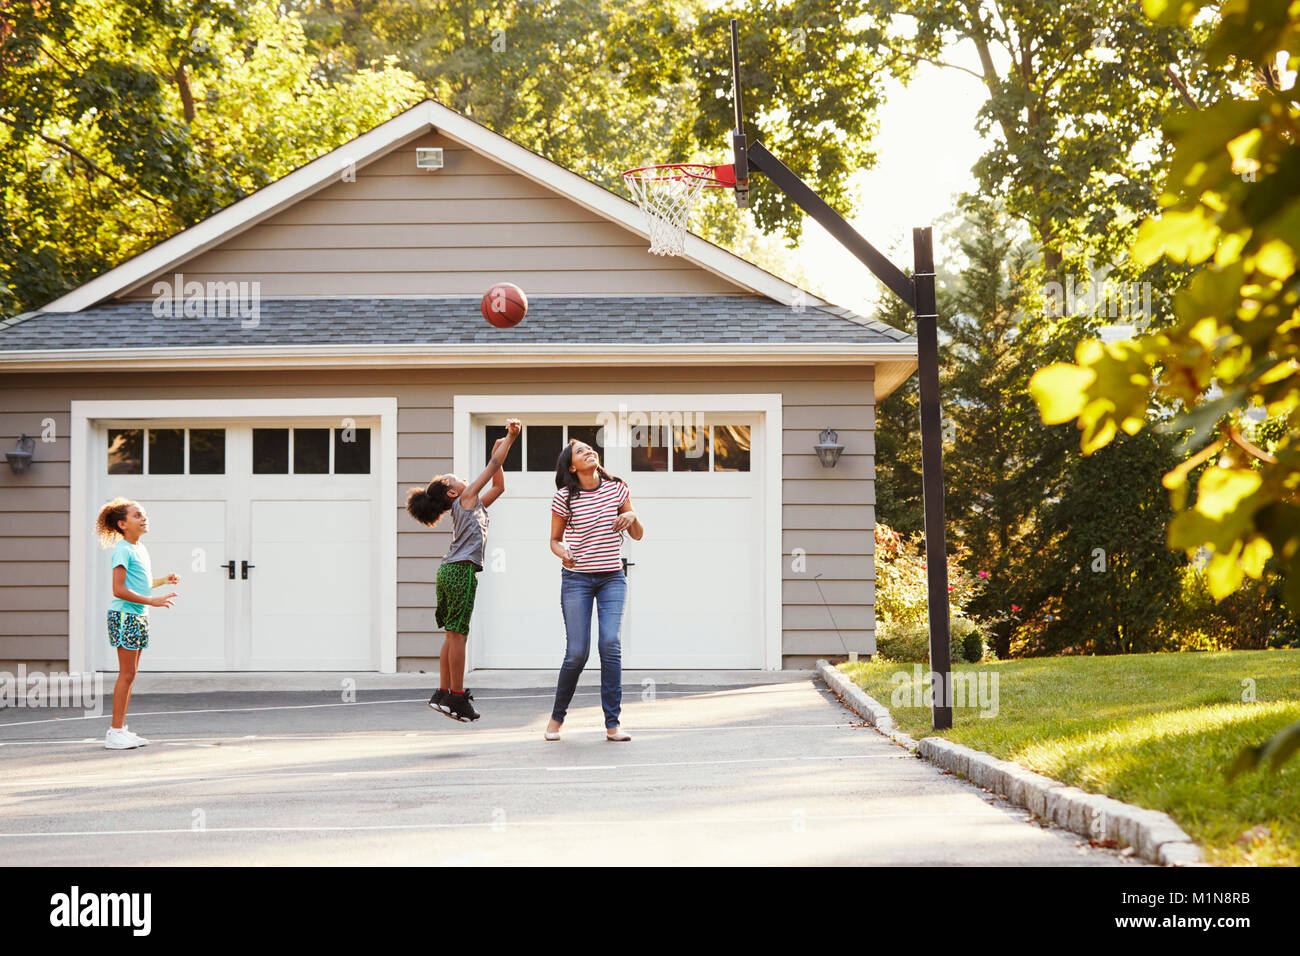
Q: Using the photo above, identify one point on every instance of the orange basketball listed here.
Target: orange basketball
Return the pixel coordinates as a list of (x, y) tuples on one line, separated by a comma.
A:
[(504, 305)]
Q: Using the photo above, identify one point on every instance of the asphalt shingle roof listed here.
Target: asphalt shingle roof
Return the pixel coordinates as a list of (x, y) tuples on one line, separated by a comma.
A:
[(588, 320)]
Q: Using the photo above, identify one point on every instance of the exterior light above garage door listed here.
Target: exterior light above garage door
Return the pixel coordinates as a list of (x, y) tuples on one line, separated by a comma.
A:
[(20, 459), (428, 158), (828, 450)]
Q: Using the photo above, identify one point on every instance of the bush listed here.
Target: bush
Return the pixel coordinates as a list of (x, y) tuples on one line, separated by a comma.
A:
[(973, 645), (911, 643), (902, 599), (1253, 617)]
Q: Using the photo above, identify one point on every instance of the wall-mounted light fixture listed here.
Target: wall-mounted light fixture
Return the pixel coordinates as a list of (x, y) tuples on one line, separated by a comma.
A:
[(20, 459), (428, 158), (828, 449)]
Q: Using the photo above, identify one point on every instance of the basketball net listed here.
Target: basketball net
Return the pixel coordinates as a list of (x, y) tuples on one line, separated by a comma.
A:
[(667, 194)]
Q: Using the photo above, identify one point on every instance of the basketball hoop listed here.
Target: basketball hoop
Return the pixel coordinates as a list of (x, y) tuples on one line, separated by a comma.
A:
[(667, 193)]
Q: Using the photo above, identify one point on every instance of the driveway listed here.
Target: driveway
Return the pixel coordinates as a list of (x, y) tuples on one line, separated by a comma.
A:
[(765, 774)]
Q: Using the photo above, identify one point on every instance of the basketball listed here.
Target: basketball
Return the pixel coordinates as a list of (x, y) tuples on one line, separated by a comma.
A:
[(504, 305)]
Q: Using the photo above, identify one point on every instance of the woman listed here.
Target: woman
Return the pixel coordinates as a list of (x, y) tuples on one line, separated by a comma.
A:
[(589, 513)]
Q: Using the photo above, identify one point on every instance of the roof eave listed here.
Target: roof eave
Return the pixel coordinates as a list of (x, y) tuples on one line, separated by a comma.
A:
[(388, 355)]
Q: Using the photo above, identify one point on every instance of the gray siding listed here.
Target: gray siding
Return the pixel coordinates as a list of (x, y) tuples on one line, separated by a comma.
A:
[(827, 513)]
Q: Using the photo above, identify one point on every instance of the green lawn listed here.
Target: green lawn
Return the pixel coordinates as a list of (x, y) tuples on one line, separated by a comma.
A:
[(1156, 730)]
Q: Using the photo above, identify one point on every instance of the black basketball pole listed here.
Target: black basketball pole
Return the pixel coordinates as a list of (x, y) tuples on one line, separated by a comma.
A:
[(917, 291), (936, 552)]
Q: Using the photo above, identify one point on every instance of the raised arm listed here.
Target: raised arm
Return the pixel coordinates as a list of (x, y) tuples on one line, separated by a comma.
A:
[(498, 482), (469, 497)]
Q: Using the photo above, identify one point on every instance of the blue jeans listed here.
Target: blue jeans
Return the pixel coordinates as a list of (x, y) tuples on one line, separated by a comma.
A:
[(577, 591)]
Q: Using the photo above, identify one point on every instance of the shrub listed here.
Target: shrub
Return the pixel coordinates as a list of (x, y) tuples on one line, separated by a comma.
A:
[(911, 643), (901, 579)]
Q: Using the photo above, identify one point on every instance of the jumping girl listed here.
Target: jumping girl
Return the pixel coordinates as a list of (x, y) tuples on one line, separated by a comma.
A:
[(589, 513), (457, 575), (120, 525)]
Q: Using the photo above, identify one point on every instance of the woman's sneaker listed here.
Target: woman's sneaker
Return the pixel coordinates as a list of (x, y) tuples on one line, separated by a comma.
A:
[(118, 739), (439, 700), (139, 741), (459, 706)]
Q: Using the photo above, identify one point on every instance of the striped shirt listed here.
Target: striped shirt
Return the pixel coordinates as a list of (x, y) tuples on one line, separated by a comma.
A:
[(590, 533)]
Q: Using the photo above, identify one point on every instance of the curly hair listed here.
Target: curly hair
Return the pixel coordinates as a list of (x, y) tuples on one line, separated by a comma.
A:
[(426, 505), (106, 523)]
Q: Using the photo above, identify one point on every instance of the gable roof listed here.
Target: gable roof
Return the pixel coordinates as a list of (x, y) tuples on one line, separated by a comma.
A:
[(403, 128), (761, 324)]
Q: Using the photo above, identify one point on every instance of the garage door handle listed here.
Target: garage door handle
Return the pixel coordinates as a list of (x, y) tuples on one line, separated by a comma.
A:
[(230, 569), (243, 569), (628, 564)]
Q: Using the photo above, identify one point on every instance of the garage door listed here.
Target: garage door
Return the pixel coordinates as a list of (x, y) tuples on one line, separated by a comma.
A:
[(694, 580), (271, 526)]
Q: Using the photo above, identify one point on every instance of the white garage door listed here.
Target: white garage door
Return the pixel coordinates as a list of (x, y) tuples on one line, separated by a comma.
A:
[(694, 580), (271, 527)]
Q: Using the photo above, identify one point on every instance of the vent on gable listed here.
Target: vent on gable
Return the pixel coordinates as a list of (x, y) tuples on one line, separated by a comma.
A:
[(428, 158)]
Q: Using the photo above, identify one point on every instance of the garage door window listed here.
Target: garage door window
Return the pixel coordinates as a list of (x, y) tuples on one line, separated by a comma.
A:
[(312, 451), (693, 448), (539, 446), (731, 448), (166, 451)]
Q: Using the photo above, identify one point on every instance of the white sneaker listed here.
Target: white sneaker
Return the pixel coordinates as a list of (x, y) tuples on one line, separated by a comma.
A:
[(139, 741), (118, 739)]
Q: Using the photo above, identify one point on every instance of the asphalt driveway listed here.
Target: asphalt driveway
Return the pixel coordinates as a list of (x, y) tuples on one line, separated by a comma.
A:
[(764, 774)]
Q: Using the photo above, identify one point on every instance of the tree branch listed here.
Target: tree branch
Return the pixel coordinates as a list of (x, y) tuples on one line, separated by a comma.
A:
[(1250, 449), (940, 63), (1181, 87), (90, 164)]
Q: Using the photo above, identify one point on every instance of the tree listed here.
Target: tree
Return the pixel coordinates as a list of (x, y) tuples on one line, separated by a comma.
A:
[(1232, 213), (602, 87), (898, 437), (1001, 464), (1105, 580), (121, 125), (1076, 93)]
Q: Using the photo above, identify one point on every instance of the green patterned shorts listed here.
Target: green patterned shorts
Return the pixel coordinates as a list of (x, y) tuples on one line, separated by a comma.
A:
[(457, 583)]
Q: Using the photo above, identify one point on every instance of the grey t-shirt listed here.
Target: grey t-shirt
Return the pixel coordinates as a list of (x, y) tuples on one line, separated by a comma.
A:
[(468, 533)]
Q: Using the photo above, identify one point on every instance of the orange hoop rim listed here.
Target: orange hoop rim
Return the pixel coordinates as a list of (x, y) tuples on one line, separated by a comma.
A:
[(709, 177)]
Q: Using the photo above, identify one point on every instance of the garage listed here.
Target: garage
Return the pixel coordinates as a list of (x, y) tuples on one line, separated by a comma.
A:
[(701, 594), (272, 522), (713, 379)]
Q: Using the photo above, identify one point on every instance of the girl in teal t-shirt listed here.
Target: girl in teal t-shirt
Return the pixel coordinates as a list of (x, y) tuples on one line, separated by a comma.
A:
[(120, 525)]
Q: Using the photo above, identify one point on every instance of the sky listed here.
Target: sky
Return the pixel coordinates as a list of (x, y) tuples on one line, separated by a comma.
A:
[(926, 147)]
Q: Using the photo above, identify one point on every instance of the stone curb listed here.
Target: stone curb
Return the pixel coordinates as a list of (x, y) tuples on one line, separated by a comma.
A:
[(1152, 834)]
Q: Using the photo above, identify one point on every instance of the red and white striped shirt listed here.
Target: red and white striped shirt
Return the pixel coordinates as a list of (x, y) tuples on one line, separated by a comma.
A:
[(590, 533)]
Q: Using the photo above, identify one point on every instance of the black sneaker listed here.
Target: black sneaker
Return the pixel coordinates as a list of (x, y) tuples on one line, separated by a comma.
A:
[(439, 701), (459, 706)]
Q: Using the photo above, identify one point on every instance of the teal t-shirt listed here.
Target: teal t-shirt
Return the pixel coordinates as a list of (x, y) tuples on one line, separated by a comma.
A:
[(139, 575)]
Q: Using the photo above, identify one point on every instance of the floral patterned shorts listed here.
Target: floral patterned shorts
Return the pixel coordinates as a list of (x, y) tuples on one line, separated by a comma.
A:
[(128, 631)]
